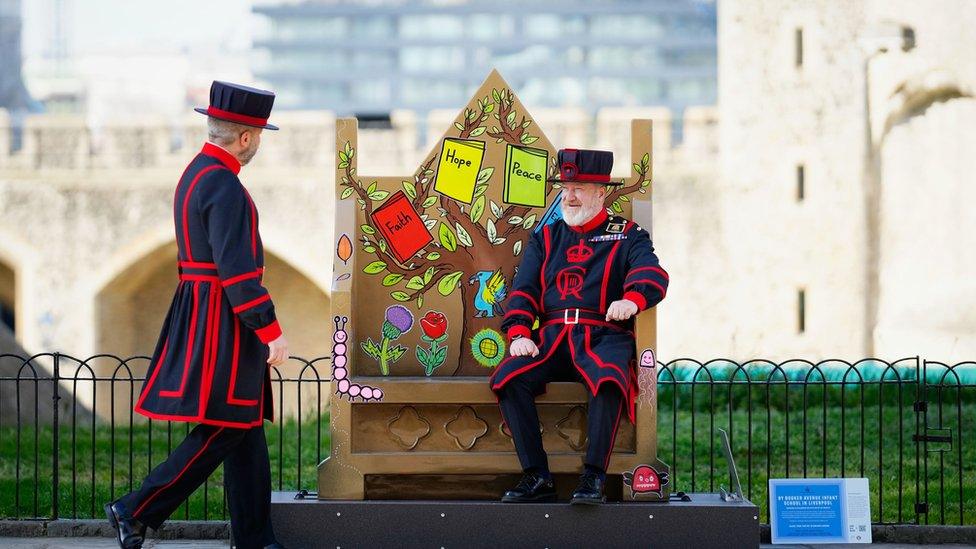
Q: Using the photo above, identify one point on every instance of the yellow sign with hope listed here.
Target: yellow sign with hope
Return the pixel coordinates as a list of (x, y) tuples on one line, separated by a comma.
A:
[(457, 171)]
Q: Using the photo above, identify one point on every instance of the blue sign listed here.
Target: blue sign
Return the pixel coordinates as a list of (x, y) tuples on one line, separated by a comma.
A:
[(832, 510)]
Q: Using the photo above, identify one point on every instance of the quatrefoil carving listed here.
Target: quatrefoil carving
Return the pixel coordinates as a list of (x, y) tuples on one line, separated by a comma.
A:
[(466, 428), (408, 427), (572, 428)]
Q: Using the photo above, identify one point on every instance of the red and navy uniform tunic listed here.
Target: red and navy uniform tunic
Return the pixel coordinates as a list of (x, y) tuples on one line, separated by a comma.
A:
[(567, 279), (210, 364)]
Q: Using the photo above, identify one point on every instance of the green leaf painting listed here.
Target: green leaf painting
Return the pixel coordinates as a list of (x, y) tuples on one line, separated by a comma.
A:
[(374, 267), (447, 238), (449, 283)]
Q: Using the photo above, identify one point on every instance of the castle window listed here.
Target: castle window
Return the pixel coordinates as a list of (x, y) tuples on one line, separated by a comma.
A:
[(801, 311), (800, 179), (798, 47)]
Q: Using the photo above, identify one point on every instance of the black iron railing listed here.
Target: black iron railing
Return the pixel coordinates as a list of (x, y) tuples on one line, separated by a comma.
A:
[(69, 440)]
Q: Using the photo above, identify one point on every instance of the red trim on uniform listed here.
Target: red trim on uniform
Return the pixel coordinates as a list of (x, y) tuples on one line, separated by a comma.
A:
[(527, 296), (240, 278), (518, 329), (658, 270), (552, 348), (180, 474), (613, 437), (586, 378), (597, 220), (253, 303), (591, 178), (545, 259), (235, 117), (200, 419), (207, 350), (606, 277), (637, 298), (223, 155), (198, 278), (189, 347), (269, 333), (654, 283), (233, 371), (196, 265), (523, 312), (588, 347), (186, 202), (210, 369), (572, 349), (152, 379)]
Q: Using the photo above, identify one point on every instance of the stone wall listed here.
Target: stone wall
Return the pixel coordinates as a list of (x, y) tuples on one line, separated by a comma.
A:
[(777, 116)]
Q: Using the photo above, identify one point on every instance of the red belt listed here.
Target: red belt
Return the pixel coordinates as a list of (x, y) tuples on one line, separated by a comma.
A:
[(583, 316), (201, 271), (197, 271)]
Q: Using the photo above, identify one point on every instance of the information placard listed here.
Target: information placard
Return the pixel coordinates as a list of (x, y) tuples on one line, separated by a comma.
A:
[(820, 510)]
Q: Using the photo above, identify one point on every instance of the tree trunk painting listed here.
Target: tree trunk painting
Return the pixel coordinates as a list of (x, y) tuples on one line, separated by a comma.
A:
[(474, 247)]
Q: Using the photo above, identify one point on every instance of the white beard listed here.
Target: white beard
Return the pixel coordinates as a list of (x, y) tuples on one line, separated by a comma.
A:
[(574, 217)]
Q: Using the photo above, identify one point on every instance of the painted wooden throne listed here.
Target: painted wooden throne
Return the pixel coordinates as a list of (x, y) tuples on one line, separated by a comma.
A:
[(422, 265)]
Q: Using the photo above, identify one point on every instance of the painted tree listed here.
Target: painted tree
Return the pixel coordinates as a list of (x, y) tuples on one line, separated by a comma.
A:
[(467, 239)]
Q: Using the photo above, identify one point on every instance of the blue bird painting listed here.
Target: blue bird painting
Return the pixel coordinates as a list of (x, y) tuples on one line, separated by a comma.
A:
[(490, 294)]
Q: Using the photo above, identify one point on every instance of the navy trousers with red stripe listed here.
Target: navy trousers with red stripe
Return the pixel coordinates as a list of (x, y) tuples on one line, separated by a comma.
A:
[(517, 402), (247, 481)]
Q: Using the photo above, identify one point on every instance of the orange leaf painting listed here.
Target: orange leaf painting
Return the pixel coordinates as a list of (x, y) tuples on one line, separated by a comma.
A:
[(344, 248)]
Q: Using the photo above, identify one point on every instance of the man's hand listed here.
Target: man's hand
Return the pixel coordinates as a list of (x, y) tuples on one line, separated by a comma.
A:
[(279, 351), (523, 346), (621, 309)]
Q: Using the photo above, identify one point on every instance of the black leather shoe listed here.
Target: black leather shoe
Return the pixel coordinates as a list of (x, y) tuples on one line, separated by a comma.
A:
[(130, 533), (589, 491), (531, 489)]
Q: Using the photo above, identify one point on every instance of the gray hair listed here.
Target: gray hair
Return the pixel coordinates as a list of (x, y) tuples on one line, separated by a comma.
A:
[(222, 132)]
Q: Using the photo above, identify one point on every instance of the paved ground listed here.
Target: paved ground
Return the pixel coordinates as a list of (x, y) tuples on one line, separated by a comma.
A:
[(102, 543)]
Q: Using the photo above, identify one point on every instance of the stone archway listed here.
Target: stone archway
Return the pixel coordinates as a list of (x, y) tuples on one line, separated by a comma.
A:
[(8, 298), (130, 308)]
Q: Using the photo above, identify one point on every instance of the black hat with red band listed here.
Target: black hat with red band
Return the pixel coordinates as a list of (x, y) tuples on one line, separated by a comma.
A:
[(584, 166), (240, 104)]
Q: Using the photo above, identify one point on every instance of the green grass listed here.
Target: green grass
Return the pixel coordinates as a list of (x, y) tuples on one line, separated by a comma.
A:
[(885, 453), (81, 460)]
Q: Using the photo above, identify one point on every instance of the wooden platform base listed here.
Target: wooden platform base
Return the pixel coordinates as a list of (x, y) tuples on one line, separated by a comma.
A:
[(703, 521)]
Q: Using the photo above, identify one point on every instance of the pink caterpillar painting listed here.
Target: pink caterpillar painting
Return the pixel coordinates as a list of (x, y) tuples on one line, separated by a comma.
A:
[(340, 373)]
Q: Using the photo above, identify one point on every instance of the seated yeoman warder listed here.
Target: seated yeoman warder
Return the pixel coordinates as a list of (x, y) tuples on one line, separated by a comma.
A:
[(585, 278)]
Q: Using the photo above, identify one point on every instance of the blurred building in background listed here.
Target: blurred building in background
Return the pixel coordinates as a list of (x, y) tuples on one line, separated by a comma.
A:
[(13, 94), (367, 58)]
